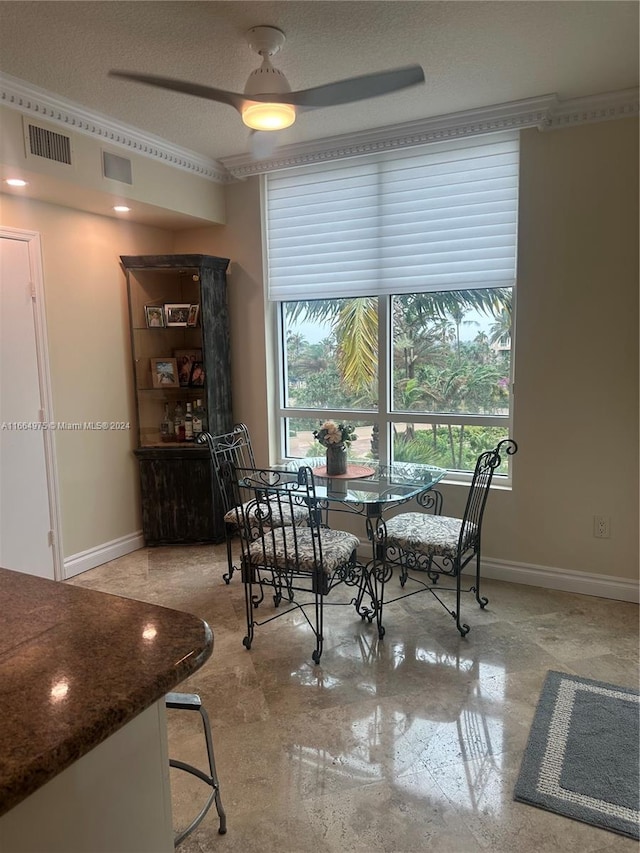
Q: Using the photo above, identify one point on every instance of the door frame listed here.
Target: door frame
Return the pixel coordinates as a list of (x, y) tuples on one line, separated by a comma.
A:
[(34, 249)]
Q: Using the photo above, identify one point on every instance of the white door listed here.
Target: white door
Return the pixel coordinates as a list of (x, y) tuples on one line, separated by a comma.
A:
[(28, 515)]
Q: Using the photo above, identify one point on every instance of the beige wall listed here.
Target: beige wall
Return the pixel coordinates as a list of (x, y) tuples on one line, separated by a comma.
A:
[(576, 405), (89, 350), (576, 402), (251, 368), (158, 188)]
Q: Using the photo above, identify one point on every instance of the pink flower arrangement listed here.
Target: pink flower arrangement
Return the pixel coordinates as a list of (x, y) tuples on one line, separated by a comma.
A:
[(331, 433)]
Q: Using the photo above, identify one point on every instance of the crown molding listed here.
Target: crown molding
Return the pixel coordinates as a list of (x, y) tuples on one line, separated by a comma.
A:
[(532, 112), (546, 112), (38, 103), (611, 105)]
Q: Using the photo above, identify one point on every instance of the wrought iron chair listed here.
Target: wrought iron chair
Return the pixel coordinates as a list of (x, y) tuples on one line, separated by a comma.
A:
[(232, 447), (437, 545), (301, 565), (191, 702)]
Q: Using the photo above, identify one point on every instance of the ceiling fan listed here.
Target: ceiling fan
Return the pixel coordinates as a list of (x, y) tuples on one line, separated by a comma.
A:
[(268, 103)]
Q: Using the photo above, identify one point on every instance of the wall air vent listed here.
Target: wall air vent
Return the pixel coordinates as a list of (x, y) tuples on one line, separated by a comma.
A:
[(42, 142)]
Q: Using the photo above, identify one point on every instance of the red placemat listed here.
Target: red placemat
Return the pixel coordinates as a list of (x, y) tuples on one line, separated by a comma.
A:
[(354, 472)]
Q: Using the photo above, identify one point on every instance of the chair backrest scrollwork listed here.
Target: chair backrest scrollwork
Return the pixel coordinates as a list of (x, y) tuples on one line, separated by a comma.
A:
[(231, 447), (479, 491), (266, 502)]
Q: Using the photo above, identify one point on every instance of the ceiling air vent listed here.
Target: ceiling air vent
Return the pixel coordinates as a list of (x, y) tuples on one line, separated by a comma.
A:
[(42, 142)]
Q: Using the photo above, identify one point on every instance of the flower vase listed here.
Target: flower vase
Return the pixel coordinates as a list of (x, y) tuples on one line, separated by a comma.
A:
[(336, 459)]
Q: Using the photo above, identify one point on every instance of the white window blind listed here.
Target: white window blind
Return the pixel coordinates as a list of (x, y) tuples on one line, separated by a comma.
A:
[(437, 217)]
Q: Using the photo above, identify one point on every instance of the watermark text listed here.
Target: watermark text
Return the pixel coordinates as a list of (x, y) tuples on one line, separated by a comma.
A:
[(61, 426)]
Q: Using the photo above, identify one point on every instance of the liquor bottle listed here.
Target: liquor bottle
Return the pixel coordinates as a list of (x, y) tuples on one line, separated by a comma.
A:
[(198, 420), (188, 424), (166, 425), (178, 420)]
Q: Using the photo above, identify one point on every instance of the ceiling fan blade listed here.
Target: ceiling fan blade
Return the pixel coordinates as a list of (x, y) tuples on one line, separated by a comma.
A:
[(208, 92), (353, 89)]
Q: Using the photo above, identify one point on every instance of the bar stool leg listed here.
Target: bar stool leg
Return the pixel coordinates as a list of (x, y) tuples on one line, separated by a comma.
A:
[(191, 702), (212, 770)]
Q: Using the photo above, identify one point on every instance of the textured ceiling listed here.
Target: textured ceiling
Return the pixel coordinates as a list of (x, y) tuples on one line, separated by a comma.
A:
[(474, 54)]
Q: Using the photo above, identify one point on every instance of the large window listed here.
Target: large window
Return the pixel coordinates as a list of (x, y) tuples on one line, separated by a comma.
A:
[(394, 276)]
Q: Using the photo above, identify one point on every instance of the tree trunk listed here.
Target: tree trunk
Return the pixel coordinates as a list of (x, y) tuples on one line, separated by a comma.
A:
[(460, 445), (452, 446)]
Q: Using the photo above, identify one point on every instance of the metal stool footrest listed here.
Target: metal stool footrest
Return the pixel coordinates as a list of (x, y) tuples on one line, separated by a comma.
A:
[(191, 702)]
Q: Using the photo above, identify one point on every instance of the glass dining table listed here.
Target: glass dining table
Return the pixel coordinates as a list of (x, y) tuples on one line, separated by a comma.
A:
[(370, 489)]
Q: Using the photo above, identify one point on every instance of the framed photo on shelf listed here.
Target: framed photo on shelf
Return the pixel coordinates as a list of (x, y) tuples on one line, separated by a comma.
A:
[(192, 318), (164, 373), (196, 380), (186, 358), (176, 313), (154, 316)]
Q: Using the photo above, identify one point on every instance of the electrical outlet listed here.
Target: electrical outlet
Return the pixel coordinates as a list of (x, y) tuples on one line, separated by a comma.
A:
[(601, 526)]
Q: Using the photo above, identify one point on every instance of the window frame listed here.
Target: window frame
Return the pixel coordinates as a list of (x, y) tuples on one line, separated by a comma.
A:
[(384, 415)]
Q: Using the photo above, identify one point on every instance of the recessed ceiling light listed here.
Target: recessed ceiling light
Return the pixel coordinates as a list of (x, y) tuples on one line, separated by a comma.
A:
[(121, 208), (16, 182)]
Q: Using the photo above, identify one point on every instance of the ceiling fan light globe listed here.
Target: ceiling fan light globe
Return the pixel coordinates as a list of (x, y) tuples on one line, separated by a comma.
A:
[(268, 116)]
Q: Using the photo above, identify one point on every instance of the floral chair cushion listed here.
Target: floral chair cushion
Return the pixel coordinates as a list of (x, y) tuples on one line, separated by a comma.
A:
[(431, 535), (297, 516), (337, 548)]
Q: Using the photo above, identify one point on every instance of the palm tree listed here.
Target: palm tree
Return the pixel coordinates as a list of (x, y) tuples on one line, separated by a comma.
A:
[(457, 313), (295, 344), (444, 329), (356, 329), (500, 331), (442, 304), (355, 322), (406, 395)]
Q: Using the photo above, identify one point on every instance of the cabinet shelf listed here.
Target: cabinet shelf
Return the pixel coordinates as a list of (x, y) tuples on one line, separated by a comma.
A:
[(184, 389), (172, 445), (158, 329)]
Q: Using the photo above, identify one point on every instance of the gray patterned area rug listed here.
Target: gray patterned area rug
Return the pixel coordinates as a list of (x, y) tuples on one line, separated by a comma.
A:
[(582, 757)]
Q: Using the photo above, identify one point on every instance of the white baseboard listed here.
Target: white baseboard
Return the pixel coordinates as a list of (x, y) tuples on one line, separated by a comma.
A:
[(567, 580), (584, 583), (603, 586), (93, 557)]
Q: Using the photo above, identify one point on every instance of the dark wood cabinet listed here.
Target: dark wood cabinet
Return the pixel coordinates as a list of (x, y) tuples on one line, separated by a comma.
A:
[(179, 502), (177, 495)]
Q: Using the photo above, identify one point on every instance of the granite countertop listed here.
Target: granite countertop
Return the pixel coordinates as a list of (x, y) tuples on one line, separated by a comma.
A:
[(75, 666)]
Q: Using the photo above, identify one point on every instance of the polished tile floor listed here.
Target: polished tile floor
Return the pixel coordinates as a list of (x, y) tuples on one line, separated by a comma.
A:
[(408, 744)]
